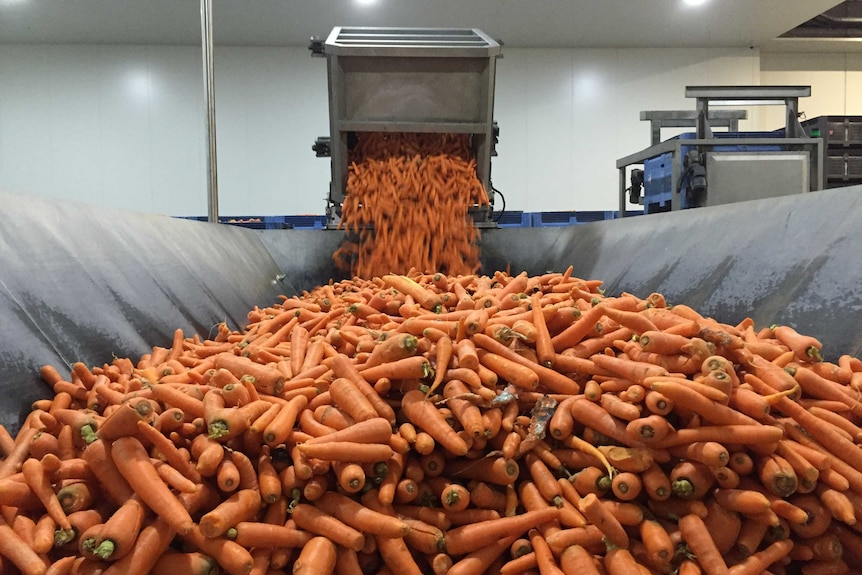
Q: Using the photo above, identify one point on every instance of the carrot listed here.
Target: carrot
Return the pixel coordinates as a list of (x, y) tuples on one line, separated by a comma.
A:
[(266, 379), (231, 556), (319, 522), (661, 342), (626, 486), (318, 557), (347, 451), (115, 538), (426, 298), (804, 347), (601, 517), (578, 330), (471, 537), (635, 371), (133, 463), (509, 370), (839, 446), (760, 561), (397, 556), (465, 351), (496, 470), (423, 414), (281, 425), (348, 397), (659, 548), (648, 429), (618, 561), (395, 347), (13, 460), (13, 548), (444, 351), (255, 534), (343, 368), (777, 475), (39, 483), (43, 535), (691, 480), (192, 563), (696, 535), (361, 517), (596, 417)]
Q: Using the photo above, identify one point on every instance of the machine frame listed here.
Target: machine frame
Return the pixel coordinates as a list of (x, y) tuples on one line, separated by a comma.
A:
[(427, 80), (795, 139)]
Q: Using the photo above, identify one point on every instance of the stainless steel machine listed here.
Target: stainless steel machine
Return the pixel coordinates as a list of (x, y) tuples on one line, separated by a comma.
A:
[(704, 168), (408, 80)]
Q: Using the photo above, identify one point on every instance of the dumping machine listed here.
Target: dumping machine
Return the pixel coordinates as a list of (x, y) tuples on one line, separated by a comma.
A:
[(408, 80)]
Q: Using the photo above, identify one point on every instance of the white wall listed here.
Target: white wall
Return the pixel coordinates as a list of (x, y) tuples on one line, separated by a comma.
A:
[(835, 80), (566, 116), (124, 125)]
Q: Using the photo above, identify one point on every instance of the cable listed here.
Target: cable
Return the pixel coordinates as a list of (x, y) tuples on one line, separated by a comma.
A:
[(499, 193)]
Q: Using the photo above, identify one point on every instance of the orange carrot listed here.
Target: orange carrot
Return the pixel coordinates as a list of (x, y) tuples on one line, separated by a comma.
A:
[(135, 466), (423, 414), (319, 522), (696, 535), (114, 539), (347, 451), (468, 538), (13, 548), (318, 557), (601, 517), (38, 481), (241, 506)]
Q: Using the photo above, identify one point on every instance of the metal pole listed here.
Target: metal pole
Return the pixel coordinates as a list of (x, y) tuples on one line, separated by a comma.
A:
[(209, 94)]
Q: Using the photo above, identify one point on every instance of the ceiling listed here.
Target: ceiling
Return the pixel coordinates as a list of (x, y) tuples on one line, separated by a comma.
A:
[(518, 23)]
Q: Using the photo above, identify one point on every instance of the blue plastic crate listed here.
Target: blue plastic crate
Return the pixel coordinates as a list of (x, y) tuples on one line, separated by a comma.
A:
[(629, 213), (594, 216), (306, 222), (257, 222), (551, 219), (512, 219)]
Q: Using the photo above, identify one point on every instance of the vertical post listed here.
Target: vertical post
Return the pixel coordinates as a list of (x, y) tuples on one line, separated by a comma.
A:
[(209, 94), (622, 190)]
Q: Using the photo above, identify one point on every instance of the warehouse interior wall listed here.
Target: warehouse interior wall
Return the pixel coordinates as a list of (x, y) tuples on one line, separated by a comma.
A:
[(835, 80), (123, 126)]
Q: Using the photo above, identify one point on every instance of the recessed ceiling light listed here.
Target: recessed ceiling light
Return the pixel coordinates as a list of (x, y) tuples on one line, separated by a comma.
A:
[(695, 2), (366, 2)]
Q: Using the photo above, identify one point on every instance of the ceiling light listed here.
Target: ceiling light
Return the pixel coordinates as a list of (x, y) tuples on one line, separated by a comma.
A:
[(694, 2), (365, 2)]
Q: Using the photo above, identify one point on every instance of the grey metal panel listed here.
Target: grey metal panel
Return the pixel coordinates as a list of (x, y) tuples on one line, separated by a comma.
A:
[(738, 93), (409, 79), (731, 175), (425, 90), (791, 260), (411, 42), (304, 256), (80, 283)]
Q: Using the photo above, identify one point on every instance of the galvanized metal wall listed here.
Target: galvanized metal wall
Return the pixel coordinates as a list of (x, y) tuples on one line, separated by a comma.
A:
[(81, 283)]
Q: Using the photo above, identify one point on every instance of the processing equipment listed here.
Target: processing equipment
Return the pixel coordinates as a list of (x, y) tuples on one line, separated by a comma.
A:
[(706, 168), (408, 80)]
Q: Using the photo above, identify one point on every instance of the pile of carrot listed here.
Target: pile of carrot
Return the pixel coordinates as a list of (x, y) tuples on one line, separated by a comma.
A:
[(407, 202), (425, 423)]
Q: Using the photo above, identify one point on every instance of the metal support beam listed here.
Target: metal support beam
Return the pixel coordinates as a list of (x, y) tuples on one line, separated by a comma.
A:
[(209, 95), (659, 119)]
